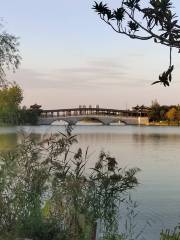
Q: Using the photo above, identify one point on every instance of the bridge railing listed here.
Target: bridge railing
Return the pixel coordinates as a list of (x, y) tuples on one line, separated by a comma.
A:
[(90, 111)]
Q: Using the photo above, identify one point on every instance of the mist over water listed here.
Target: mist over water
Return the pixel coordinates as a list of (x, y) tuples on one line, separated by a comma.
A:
[(155, 150)]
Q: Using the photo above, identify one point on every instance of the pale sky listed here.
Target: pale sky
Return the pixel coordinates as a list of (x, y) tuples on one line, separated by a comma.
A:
[(70, 57)]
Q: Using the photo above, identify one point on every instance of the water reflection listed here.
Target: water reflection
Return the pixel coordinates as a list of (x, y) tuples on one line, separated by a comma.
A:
[(143, 138), (8, 141)]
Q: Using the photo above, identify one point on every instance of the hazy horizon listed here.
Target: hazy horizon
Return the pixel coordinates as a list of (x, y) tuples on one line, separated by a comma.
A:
[(70, 58)]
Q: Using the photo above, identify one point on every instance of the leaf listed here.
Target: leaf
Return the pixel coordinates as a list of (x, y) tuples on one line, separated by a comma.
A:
[(102, 9), (166, 77), (133, 26), (119, 14)]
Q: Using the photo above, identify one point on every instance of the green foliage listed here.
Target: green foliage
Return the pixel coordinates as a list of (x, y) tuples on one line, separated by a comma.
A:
[(28, 116), (170, 235), (11, 113), (10, 98), (110, 184), (10, 94), (45, 192), (113, 237)]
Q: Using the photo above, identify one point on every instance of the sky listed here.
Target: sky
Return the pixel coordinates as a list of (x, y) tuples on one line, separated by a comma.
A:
[(71, 58)]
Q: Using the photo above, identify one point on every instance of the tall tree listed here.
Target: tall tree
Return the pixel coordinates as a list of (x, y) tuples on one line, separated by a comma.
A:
[(178, 114), (10, 99), (137, 19), (9, 54)]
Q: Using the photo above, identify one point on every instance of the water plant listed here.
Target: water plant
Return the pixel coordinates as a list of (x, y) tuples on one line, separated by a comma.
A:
[(46, 192)]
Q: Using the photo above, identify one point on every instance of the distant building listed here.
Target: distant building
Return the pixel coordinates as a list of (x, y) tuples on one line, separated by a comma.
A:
[(142, 109), (35, 107), (136, 108)]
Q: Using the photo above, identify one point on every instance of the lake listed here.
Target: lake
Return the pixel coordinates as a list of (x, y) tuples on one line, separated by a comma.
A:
[(155, 150)]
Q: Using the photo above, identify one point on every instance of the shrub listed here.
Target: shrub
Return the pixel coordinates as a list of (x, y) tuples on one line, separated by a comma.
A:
[(45, 192)]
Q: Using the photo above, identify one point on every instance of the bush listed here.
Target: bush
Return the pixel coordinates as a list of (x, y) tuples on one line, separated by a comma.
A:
[(45, 192)]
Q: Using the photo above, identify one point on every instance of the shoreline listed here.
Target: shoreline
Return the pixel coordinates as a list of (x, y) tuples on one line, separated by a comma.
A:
[(164, 124), (151, 124)]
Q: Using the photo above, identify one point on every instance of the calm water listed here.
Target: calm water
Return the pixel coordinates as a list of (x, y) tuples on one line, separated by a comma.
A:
[(155, 150)]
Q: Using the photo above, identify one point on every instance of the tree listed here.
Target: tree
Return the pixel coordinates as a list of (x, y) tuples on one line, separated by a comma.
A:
[(178, 114), (154, 113), (10, 98), (9, 54), (162, 113), (155, 104), (28, 116), (171, 114), (144, 21)]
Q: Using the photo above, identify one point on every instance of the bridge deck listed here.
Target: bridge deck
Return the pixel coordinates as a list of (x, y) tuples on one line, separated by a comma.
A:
[(90, 111)]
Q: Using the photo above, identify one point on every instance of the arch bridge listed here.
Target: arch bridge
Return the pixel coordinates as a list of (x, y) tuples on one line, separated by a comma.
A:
[(104, 115)]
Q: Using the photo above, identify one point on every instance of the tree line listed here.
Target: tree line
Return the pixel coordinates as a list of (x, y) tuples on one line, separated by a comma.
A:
[(165, 113)]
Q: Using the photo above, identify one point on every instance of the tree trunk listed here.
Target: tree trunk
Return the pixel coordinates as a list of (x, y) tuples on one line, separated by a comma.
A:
[(94, 231)]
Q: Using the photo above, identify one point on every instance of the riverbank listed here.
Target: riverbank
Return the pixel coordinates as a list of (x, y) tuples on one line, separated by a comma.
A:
[(164, 123), (96, 123)]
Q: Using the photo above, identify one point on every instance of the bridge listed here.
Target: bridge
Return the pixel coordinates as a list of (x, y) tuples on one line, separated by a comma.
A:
[(103, 115)]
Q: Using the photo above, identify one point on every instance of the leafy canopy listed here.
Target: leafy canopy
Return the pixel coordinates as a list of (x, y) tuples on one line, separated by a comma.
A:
[(10, 97), (9, 54)]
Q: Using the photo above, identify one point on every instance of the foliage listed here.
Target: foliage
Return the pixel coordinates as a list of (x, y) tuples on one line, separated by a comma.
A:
[(144, 21), (10, 93), (178, 114), (45, 192), (171, 114), (11, 113), (10, 99), (170, 235), (9, 54), (10, 96), (165, 78), (113, 237), (28, 116), (110, 182), (159, 112)]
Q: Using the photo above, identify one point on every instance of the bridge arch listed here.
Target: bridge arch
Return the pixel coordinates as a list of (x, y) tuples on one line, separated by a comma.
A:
[(118, 122), (89, 119), (50, 121), (59, 122)]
